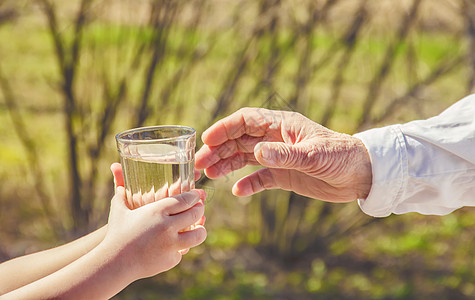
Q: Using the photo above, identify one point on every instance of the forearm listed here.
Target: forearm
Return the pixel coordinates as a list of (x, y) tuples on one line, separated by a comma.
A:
[(99, 274), (19, 272)]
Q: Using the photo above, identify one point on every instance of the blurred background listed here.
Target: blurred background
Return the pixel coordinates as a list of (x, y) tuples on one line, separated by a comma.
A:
[(73, 73)]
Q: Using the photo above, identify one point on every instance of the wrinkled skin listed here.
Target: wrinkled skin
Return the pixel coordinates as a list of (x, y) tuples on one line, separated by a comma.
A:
[(297, 155)]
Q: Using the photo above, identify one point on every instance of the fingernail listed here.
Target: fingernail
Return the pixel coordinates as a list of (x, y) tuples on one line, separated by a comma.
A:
[(203, 135), (203, 194)]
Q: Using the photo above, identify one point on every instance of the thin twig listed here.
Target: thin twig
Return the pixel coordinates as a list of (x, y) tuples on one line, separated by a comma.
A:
[(386, 65), (468, 11), (350, 38), (444, 68), (34, 165)]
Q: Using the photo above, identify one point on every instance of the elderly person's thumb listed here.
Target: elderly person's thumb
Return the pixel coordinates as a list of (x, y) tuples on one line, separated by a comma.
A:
[(282, 155)]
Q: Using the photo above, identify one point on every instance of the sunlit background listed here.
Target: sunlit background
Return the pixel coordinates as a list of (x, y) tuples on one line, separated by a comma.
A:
[(73, 73)]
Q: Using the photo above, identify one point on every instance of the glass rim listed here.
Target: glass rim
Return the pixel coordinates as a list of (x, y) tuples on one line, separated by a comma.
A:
[(120, 136)]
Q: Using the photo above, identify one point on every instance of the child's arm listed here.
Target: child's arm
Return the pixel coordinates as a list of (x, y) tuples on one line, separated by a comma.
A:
[(139, 243), (20, 271), (23, 270)]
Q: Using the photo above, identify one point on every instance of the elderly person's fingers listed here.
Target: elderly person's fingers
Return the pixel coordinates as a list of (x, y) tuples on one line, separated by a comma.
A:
[(210, 155), (254, 122)]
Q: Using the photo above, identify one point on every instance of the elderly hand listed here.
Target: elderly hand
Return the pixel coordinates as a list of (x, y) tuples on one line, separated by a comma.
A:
[(298, 155)]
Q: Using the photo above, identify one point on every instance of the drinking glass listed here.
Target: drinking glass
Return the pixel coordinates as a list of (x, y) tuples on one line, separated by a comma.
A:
[(157, 162)]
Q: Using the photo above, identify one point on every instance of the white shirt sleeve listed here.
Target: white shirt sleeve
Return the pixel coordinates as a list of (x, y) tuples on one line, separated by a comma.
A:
[(425, 166)]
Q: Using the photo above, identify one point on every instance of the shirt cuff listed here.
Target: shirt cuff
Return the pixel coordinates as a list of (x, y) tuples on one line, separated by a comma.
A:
[(388, 154)]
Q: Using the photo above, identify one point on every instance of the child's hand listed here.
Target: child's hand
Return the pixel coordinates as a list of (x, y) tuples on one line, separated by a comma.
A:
[(148, 239)]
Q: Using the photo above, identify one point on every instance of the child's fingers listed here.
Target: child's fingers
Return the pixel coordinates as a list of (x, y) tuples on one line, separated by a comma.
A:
[(175, 188), (191, 238), (189, 217), (203, 194), (161, 192), (201, 221), (116, 170), (119, 198), (176, 204)]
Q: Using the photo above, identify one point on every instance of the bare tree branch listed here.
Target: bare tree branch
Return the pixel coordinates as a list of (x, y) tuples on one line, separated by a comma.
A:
[(68, 60), (242, 60), (386, 65), (305, 69), (7, 13), (162, 15), (444, 68), (349, 38), (468, 11), (33, 161)]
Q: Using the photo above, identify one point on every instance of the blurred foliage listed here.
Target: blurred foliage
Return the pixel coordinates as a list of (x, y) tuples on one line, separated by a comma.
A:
[(74, 73)]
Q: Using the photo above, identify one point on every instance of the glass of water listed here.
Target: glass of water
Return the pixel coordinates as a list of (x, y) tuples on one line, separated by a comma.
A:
[(157, 162)]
